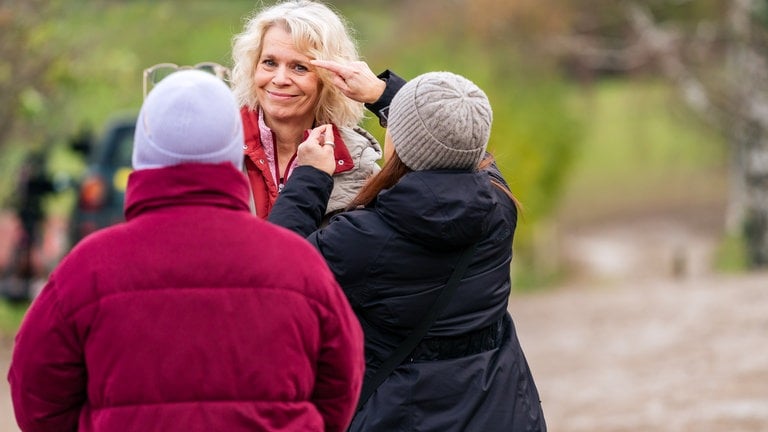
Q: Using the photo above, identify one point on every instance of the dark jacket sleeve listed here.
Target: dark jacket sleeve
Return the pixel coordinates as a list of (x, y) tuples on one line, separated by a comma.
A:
[(302, 203), (381, 106)]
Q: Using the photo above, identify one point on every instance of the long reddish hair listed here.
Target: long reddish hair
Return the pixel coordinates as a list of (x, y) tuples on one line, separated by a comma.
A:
[(390, 174), (395, 169), (487, 161)]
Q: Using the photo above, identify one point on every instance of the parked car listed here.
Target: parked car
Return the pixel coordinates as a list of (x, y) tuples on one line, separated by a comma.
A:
[(101, 192)]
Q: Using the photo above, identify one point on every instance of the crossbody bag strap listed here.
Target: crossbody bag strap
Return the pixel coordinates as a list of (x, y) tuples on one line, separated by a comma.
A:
[(418, 333)]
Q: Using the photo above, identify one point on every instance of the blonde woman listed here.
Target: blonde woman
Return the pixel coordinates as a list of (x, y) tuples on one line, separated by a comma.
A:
[(283, 95)]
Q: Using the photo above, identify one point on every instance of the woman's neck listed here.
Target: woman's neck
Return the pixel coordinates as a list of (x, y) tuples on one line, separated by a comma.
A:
[(288, 136)]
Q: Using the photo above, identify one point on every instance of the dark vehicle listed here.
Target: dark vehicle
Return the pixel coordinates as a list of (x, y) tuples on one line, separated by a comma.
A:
[(102, 190)]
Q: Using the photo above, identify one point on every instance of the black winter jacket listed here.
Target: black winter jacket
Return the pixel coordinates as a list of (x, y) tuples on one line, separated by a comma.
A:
[(392, 259)]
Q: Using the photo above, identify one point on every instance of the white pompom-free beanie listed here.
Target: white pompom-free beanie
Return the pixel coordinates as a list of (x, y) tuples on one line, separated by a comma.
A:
[(190, 116)]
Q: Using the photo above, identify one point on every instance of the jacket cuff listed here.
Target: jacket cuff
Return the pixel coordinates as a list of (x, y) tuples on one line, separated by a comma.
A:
[(301, 205), (381, 106)]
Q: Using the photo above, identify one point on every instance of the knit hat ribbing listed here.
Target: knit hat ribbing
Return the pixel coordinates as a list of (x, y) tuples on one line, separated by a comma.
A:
[(440, 120), (190, 116)]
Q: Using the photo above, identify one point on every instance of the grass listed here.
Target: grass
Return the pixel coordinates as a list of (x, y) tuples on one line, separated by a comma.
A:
[(642, 147), (11, 314), (731, 255)]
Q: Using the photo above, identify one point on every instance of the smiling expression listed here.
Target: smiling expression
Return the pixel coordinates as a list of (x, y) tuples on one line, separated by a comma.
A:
[(288, 88)]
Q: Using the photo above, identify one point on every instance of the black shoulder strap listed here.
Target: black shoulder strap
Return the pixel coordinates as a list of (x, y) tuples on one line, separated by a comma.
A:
[(413, 339)]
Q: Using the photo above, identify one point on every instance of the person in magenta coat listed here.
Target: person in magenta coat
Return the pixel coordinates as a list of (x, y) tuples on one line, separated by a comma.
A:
[(193, 315)]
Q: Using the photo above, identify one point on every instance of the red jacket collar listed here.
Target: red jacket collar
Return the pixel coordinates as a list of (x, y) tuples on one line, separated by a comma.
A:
[(253, 147), (219, 185)]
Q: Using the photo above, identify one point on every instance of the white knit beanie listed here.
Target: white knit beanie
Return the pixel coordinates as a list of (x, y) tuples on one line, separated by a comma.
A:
[(190, 116), (440, 120)]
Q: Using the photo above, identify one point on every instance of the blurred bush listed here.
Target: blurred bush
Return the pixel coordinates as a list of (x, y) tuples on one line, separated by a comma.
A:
[(91, 55)]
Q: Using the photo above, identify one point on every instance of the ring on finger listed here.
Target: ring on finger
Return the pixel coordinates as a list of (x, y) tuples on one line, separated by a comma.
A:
[(329, 143)]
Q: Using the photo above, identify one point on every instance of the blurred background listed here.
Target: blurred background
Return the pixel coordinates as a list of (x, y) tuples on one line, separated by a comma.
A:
[(635, 134)]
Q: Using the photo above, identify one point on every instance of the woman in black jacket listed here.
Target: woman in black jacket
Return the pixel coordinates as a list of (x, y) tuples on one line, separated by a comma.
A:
[(393, 251)]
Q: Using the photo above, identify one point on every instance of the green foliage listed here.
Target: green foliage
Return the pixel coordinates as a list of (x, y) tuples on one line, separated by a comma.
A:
[(731, 255), (135, 35), (11, 315), (640, 145), (28, 82), (689, 12), (761, 14), (534, 140), (10, 161), (101, 49)]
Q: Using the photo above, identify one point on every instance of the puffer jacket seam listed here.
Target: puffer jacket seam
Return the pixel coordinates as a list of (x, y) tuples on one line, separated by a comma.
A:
[(91, 303)]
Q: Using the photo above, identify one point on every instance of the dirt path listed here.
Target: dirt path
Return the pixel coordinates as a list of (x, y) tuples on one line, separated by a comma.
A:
[(651, 339), (7, 421), (651, 355)]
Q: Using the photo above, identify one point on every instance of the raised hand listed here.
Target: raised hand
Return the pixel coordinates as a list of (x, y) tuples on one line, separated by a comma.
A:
[(355, 80), (317, 150)]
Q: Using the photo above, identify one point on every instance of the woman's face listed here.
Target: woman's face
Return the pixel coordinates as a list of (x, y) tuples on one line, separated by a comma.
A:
[(287, 86)]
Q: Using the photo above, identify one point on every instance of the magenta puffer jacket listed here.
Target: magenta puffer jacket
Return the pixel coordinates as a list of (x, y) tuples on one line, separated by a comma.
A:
[(193, 315)]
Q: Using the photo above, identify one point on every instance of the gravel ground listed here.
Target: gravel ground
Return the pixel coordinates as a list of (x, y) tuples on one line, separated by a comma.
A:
[(651, 355), (650, 339), (7, 421)]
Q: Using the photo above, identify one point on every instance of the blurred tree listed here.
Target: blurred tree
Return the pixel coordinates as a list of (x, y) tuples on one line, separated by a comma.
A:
[(29, 65), (70, 65), (733, 97), (34, 69), (716, 52), (746, 122)]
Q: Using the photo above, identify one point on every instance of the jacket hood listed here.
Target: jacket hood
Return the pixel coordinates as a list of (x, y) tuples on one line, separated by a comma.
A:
[(361, 137), (439, 208), (220, 185)]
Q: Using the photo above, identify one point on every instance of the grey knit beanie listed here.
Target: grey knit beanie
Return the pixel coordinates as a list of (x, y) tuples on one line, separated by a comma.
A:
[(190, 116), (440, 120)]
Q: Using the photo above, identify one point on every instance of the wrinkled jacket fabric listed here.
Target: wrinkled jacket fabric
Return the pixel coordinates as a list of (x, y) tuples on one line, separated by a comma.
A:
[(192, 316), (392, 260), (356, 152)]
